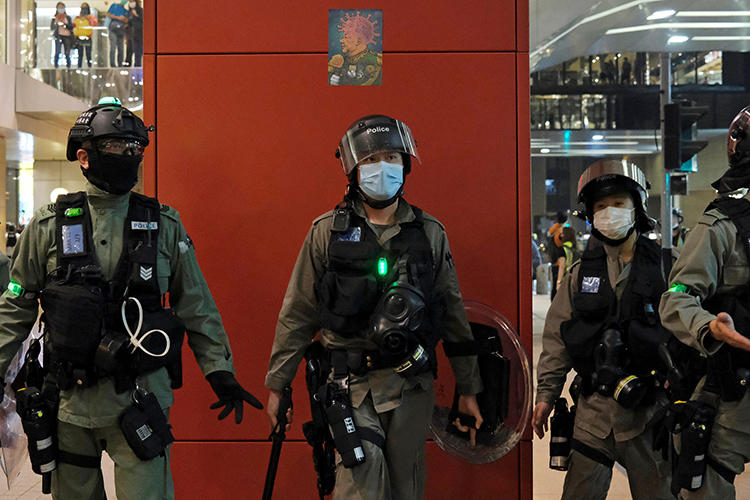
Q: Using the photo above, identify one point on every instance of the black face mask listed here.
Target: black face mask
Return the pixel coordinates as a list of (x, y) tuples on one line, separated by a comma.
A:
[(116, 174), (85, 11)]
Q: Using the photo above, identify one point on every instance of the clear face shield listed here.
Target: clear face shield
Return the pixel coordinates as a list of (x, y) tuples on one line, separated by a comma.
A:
[(369, 137)]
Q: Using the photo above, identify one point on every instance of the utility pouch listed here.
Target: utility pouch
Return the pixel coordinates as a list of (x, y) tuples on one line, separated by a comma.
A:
[(695, 435), (346, 436), (145, 426), (165, 320), (39, 420), (73, 315)]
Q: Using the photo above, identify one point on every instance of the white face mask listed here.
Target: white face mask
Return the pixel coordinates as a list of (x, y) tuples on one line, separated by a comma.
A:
[(614, 222), (382, 180), (131, 5)]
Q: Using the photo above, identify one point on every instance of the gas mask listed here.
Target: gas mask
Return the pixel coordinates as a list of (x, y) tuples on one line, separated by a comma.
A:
[(615, 223), (400, 313), (381, 181)]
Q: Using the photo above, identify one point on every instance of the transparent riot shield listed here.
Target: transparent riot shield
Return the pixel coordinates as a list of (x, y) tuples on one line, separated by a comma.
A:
[(12, 438), (506, 400)]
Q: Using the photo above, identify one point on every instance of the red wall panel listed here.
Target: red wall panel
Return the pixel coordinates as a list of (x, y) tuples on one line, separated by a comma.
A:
[(247, 128), (231, 26)]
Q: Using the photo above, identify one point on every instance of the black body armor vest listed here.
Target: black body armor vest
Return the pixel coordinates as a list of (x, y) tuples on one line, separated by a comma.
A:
[(351, 285), (596, 309), (86, 337)]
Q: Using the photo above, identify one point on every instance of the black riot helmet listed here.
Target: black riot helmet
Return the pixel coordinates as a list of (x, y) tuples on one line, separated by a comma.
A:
[(738, 144), (609, 177), (376, 134), (107, 119)]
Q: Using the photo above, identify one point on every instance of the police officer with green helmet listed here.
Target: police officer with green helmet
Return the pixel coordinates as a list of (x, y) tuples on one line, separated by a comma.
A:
[(100, 263), (706, 307), (375, 278), (603, 324)]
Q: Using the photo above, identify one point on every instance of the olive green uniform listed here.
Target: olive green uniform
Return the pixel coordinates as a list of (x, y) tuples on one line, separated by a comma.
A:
[(713, 260), (397, 408), (88, 417), (601, 422), (4, 271)]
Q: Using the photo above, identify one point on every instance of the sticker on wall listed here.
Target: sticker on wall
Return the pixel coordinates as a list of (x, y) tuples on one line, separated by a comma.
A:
[(355, 47)]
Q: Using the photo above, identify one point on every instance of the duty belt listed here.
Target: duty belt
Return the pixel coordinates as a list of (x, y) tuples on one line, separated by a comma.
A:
[(360, 362)]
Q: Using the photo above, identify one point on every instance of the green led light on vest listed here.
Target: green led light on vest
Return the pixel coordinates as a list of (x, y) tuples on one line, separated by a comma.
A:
[(110, 100), (16, 289), (73, 212), (678, 287), (382, 266)]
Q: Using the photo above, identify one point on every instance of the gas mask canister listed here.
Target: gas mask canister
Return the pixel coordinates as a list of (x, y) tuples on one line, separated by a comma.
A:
[(614, 222), (393, 326), (382, 180)]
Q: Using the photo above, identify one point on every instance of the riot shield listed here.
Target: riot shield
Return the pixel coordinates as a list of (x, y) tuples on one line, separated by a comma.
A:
[(505, 402)]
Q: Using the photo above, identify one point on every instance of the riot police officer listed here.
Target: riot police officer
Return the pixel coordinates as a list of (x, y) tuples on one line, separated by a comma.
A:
[(100, 262), (706, 307), (343, 287), (603, 324)]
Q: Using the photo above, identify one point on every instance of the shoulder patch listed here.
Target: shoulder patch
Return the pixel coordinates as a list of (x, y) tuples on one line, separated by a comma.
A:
[(326, 215), (47, 211)]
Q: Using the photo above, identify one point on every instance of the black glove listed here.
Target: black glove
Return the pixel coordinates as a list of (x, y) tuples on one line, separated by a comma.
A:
[(231, 395)]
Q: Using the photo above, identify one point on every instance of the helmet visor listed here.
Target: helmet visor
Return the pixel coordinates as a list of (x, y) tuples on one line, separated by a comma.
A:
[(360, 142)]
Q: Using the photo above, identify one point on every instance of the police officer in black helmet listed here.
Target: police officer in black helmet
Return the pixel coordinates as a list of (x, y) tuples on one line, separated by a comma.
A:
[(376, 279), (603, 324), (100, 262), (706, 307)]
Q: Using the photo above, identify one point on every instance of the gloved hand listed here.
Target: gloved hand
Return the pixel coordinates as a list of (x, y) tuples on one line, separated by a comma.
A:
[(231, 395)]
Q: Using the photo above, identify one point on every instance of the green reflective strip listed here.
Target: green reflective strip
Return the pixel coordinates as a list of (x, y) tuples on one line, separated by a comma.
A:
[(16, 289), (73, 212), (678, 287)]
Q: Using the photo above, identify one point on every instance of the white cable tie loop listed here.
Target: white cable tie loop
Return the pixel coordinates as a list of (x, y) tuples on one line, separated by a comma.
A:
[(135, 340)]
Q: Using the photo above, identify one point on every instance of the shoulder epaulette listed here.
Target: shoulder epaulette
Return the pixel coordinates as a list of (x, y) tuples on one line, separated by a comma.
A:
[(47, 211), (712, 217), (170, 212), (429, 218), (326, 215)]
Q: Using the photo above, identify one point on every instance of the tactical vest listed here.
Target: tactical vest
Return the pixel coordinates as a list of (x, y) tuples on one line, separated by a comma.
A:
[(725, 363), (85, 333), (351, 286), (596, 308)]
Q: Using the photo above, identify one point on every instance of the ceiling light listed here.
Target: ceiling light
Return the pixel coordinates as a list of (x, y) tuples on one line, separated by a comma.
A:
[(544, 150), (669, 26), (597, 137), (713, 13), (661, 14), (719, 38), (678, 39)]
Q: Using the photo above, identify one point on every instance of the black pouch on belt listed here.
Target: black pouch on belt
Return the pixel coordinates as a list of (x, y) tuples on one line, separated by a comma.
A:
[(695, 435), (145, 426)]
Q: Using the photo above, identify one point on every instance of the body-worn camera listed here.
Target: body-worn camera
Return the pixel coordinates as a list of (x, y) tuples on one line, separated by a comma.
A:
[(400, 313), (611, 378)]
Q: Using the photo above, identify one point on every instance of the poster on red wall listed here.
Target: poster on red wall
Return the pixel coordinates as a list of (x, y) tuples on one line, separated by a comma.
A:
[(355, 47)]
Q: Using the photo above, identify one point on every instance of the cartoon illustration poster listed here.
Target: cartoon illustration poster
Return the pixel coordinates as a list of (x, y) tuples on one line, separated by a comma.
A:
[(355, 47)]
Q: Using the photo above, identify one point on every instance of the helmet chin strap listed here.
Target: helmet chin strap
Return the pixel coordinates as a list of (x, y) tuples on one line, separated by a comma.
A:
[(610, 241)]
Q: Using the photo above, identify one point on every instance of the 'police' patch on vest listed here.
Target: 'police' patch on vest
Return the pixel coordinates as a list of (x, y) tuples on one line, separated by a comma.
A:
[(354, 234), (590, 284), (143, 226), (72, 239)]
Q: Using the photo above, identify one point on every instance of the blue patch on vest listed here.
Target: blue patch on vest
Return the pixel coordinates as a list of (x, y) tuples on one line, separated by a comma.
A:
[(590, 284), (72, 239), (354, 234)]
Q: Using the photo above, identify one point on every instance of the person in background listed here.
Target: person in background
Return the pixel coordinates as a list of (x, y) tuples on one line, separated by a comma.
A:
[(626, 69), (83, 31), (565, 262), (134, 32), (536, 256), (62, 29), (116, 19), (679, 232)]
